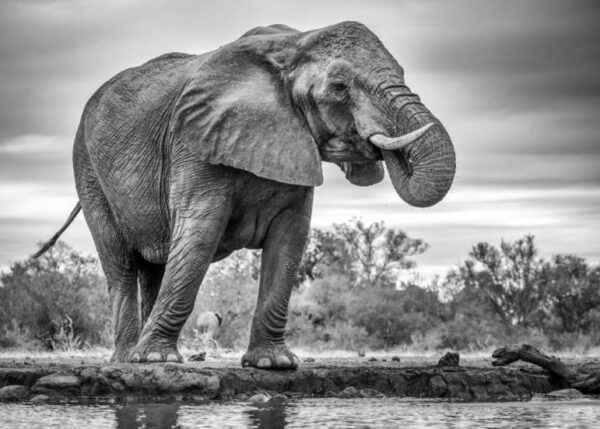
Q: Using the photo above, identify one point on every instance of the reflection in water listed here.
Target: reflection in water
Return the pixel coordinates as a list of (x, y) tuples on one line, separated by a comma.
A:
[(269, 416), (164, 415), (148, 416), (308, 413)]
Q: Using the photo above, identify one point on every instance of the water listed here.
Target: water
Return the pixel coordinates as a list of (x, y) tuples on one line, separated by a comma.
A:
[(308, 413)]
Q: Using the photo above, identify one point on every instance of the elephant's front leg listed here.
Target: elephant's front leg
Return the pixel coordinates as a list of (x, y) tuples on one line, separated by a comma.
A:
[(281, 255), (193, 244)]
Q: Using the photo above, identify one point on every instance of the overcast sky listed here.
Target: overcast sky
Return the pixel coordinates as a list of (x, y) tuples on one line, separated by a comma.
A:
[(516, 83)]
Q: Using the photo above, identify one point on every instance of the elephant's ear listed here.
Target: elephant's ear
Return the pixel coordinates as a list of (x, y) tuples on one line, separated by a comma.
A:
[(365, 174), (236, 111)]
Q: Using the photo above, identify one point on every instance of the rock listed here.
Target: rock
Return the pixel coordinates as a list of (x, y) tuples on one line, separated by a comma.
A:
[(373, 359), (371, 393), (565, 394), (20, 376), (309, 359), (13, 392), (279, 397), (449, 359), (349, 392), (259, 398), (40, 399), (161, 378), (438, 386), (361, 353), (395, 358), (57, 382), (200, 357), (118, 386)]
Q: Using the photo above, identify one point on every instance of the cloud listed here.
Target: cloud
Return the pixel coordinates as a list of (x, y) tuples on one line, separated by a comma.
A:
[(33, 159), (31, 212), (517, 85), (32, 144)]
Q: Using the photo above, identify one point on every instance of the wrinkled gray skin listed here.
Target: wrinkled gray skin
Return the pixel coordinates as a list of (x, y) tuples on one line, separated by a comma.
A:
[(187, 158)]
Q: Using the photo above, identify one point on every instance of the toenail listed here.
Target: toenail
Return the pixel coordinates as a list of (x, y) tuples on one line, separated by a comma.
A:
[(154, 357), (172, 357), (263, 363), (135, 357), (295, 361), (283, 361)]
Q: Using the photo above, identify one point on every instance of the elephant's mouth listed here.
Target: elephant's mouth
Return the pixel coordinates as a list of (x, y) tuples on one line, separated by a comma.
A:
[(349, 148)]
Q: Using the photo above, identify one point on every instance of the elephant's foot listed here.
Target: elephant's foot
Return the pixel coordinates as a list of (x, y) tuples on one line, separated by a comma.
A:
[(274, 357), (155, 352), (121, 355)]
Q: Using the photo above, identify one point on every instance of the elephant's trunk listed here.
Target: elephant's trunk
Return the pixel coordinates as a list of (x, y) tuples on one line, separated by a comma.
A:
[(421, 172)]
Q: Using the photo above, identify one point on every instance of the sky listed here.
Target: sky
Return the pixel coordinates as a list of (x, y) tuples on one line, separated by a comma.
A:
[(516, 84)]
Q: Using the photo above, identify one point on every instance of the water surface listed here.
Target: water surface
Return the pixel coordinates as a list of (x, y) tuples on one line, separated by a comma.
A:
[(308, 413)]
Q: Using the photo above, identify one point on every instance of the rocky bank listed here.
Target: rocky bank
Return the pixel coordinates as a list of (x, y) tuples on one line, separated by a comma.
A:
[(48, 381)]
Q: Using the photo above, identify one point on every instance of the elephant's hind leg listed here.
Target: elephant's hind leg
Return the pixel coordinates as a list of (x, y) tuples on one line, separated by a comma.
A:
[(150, 277), (119, 262), (121, 276)]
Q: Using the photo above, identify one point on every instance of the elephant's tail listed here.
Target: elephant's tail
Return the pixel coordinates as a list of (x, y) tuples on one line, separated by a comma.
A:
[(48, 244)]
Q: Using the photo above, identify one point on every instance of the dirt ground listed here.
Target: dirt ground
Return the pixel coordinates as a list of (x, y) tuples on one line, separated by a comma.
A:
[(225, 359)]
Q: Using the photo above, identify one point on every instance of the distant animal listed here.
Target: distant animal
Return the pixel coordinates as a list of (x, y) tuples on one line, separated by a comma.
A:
[(187, 158), (208, 324)]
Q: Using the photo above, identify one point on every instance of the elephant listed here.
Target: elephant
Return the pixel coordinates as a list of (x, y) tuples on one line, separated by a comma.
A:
[(208, 324), (186, 158)]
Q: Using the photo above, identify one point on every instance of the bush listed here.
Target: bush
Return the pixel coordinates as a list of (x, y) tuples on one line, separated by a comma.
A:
[(382, 317), (346, 297), (470, 334), (57, 301)]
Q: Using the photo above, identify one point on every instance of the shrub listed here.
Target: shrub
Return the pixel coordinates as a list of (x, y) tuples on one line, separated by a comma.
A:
[(59, 300)]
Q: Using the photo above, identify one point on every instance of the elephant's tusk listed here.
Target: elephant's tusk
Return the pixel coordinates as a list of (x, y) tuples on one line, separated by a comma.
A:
[(396, 143)]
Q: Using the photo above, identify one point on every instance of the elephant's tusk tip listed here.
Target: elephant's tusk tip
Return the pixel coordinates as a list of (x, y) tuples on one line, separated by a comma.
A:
[(400, 142)]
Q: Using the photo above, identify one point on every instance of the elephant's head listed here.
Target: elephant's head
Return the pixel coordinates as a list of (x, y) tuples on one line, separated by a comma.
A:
[(276, 101)]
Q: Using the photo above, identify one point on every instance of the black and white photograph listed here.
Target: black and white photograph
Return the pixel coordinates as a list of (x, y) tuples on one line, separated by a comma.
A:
[(299, 214)]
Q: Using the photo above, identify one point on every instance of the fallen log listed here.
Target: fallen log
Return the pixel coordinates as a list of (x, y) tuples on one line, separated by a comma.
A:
[(585, 378)]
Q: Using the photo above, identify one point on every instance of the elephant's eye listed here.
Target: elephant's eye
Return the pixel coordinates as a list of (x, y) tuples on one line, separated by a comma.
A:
[(339, 86), (339, 92)]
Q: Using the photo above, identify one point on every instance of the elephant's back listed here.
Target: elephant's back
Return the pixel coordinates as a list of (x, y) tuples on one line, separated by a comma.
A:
[(135, 91)]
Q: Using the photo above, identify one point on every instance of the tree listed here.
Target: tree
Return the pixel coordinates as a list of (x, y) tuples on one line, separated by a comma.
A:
[(323, 249), (337, 307), (377, 253), (573, 293), (507, 279), (371, 254)]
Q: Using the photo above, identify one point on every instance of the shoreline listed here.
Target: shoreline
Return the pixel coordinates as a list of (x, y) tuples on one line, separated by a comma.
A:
[(81, 378)]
